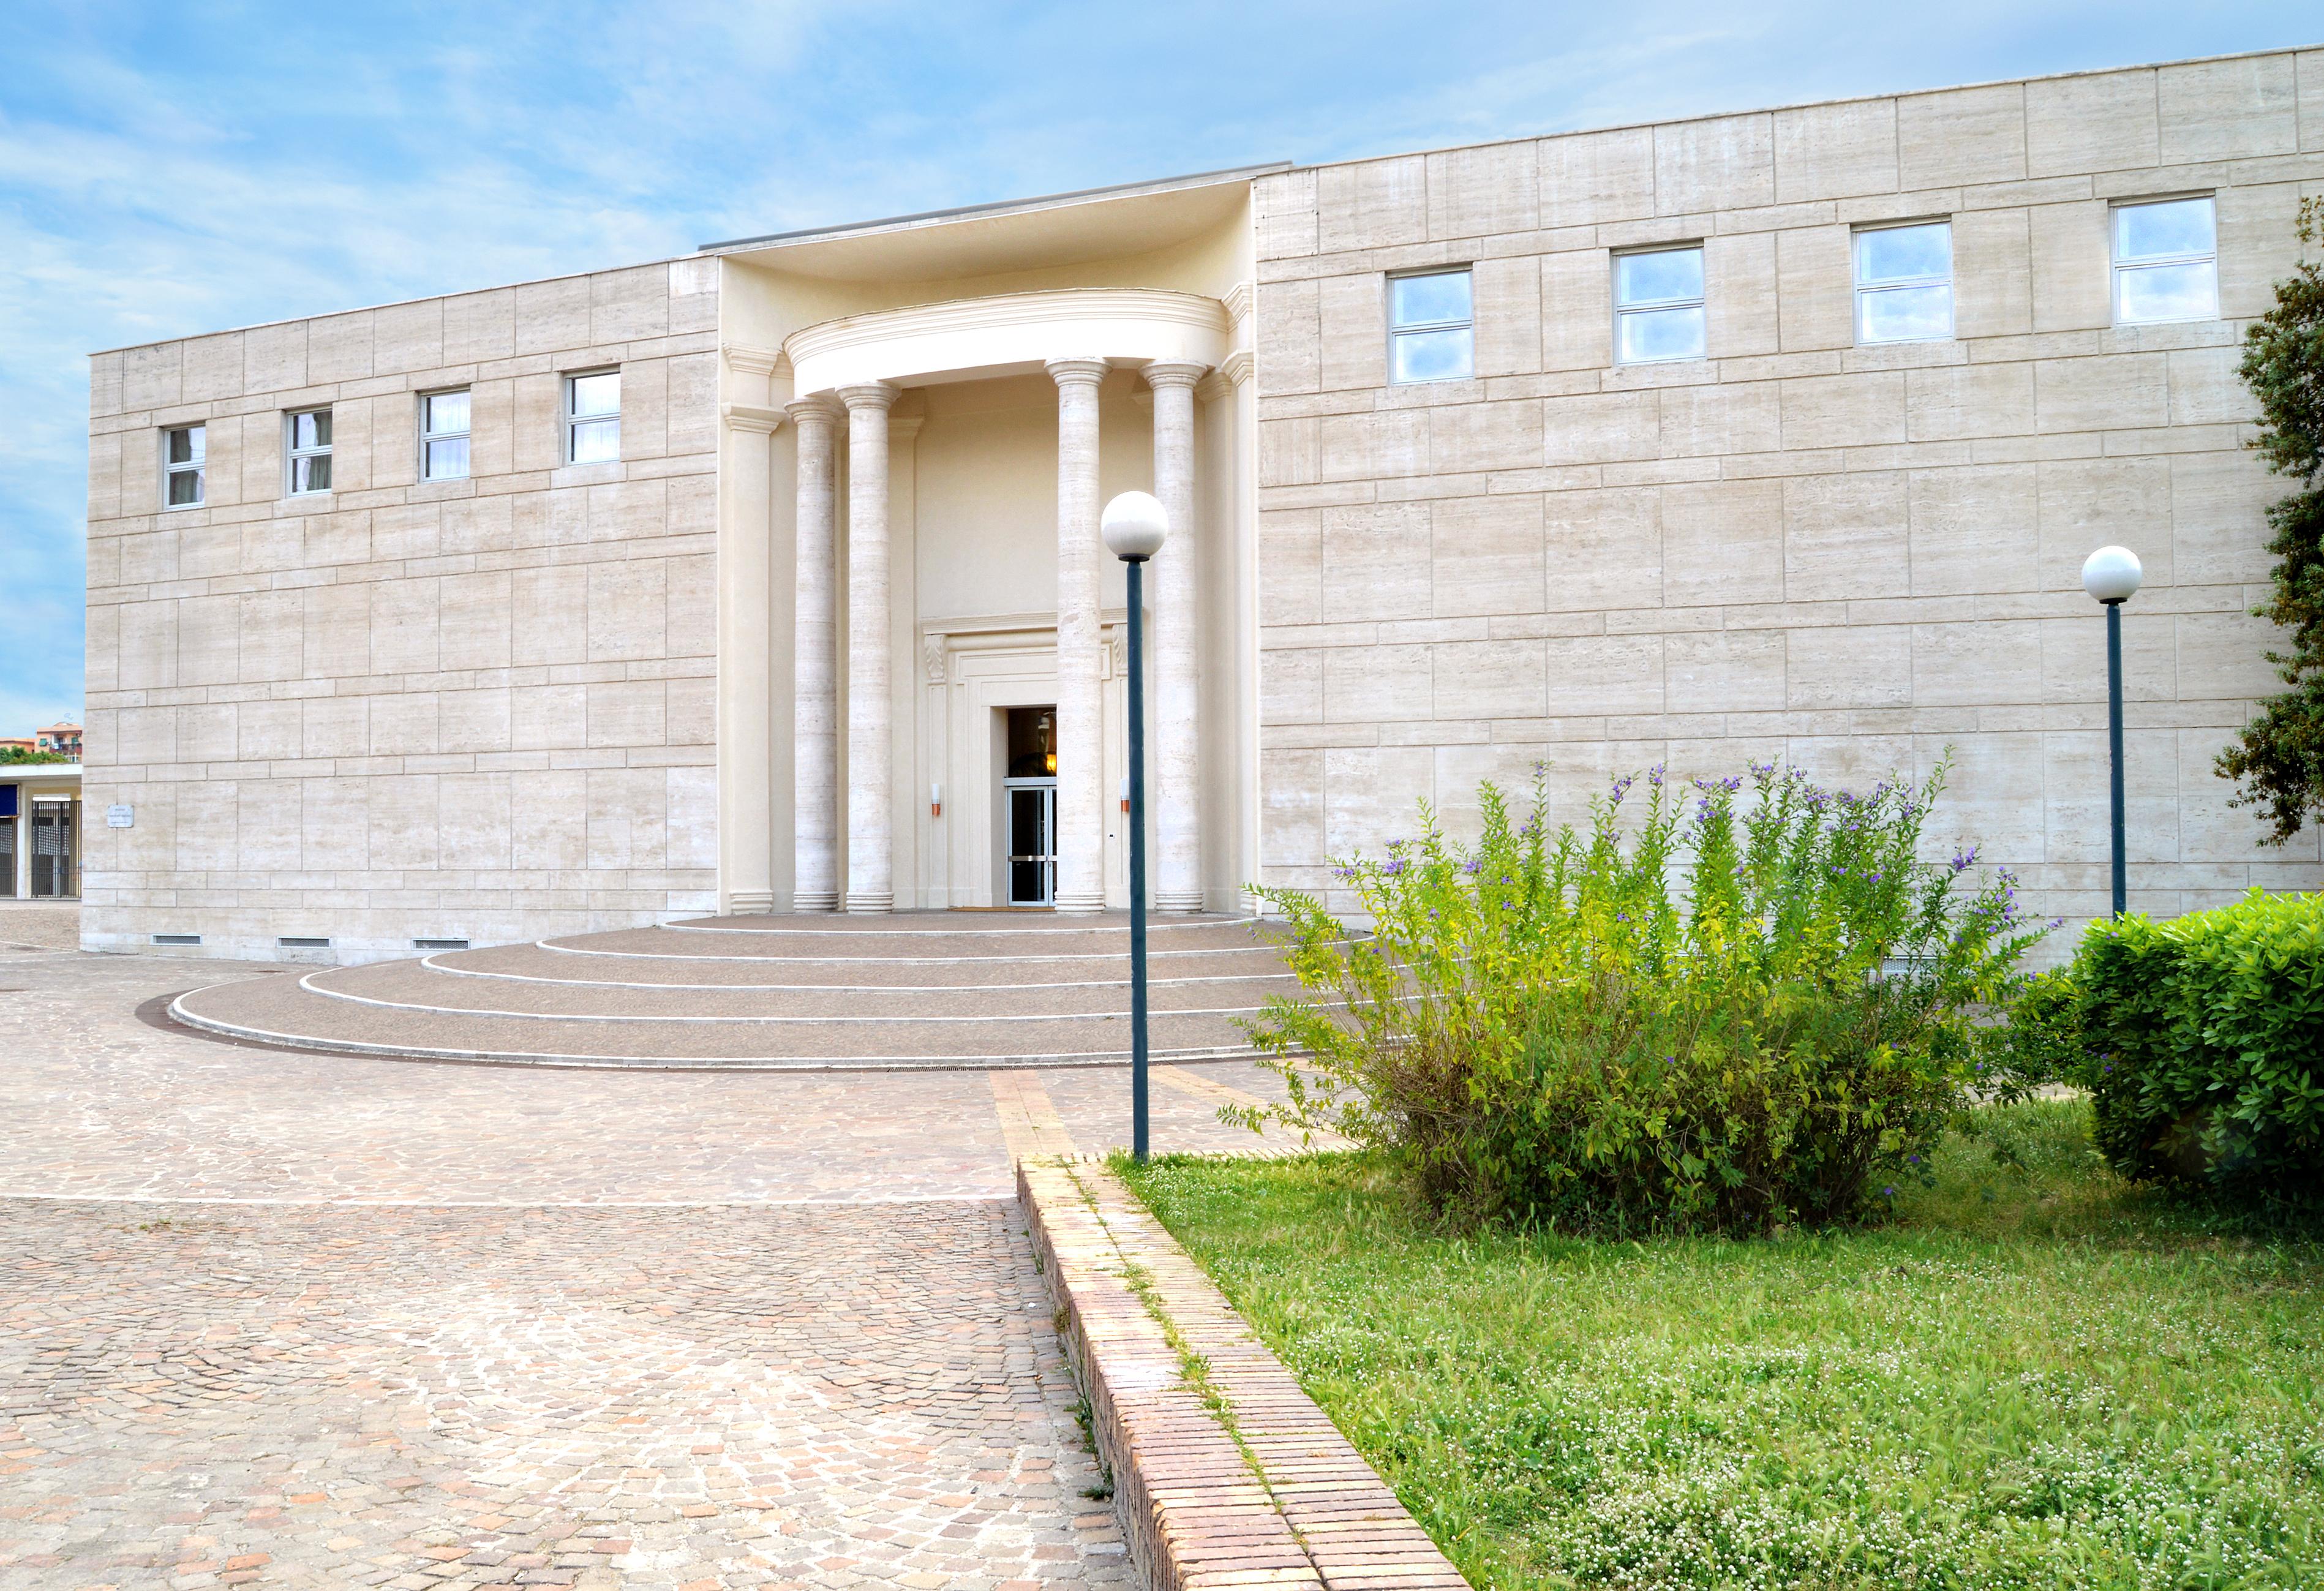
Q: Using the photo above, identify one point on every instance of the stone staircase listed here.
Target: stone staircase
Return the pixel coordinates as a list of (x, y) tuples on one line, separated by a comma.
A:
[(802, 992)]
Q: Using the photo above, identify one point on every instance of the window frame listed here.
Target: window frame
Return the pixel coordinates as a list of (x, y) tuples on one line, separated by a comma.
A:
[(466, 434), (1467, 323), (1858, 289), (2117, 268), (571, 421), (292, 453), (1702, 300), (197, 466)]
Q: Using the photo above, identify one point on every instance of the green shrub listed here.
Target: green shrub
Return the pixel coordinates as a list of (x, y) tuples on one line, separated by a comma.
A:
[(2040, 1042), (1545, 1027), (2206, 1035)]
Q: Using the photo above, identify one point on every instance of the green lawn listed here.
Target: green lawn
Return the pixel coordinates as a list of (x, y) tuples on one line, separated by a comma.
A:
[(2033, 1375)]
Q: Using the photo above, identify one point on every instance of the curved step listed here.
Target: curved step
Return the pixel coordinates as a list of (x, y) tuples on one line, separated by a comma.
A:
[(410, 985), (781, 993), (540, 964)]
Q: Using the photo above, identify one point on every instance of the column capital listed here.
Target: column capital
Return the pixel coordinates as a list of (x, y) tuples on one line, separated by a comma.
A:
[(1175, 373), (1069, 372), (871, 395), (821, 406), (752, 419)]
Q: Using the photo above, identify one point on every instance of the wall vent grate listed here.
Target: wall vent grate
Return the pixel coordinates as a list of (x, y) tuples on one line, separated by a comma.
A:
[(177, 939), (302, 942), (439, 944)]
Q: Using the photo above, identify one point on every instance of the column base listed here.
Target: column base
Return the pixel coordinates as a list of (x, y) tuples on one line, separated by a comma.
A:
[(863, 900), (815, 901), (750, 903), (1191, 902), (1071, 905)]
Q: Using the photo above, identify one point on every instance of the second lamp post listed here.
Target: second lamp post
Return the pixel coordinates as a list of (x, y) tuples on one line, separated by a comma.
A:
[(2111, 575), (1134, 525)]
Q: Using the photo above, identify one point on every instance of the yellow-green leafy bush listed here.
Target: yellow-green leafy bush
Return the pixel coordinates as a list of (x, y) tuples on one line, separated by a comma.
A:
[(1720, 1015), (2204, 1039)]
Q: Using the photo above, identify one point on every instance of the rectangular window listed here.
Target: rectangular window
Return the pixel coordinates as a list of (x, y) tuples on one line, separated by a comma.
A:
[(593, 418), (183, 450), (310, 451), (1659, 305), (443, 436), (1904, 284), (1432, 330), (2166, 262)]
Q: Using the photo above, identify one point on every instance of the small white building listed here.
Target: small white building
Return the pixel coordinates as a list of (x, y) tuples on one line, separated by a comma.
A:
[(768, 578), (39, 830)]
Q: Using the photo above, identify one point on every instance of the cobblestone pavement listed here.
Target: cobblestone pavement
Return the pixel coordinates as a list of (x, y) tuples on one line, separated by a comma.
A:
[(283, 1320), (39, 925), (730, 1396), (95, 1103)]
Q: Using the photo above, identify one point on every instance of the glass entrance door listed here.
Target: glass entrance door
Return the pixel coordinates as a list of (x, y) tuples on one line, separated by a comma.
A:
[(1032, 811), (53, 849)]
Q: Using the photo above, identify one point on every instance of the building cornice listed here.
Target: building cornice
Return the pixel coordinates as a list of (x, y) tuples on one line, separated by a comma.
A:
[(1008, 332)]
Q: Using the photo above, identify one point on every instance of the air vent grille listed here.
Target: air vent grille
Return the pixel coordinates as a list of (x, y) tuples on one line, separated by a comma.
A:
[(439, 944), (302, 942), (177, 939)]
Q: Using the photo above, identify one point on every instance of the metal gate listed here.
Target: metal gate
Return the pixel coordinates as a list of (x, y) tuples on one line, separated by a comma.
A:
[(53, 850)]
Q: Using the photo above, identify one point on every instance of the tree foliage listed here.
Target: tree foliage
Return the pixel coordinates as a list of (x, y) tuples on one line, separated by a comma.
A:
[(2278, 761)]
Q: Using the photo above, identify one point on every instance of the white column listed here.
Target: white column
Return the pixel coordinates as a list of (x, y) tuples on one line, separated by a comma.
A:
[(746, 684), (1081, 754), (1177, 625), (871, 757), (1249, 838), (815, 689)]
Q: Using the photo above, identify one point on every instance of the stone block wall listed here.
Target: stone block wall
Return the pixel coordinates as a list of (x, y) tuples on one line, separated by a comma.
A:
[(1850, 556), (476, 708)]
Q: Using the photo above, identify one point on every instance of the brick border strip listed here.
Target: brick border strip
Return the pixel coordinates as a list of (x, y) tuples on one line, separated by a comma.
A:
[(1227, 1476)]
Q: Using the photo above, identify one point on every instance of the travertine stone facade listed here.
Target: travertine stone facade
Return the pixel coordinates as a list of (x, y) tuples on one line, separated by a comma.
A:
[(1850, 556), (550, 696), (476, 708)]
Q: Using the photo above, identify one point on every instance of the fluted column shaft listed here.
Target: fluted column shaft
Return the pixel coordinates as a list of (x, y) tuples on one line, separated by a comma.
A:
[(815, 786), (870, 809), (1081, 752), (1177, 625)]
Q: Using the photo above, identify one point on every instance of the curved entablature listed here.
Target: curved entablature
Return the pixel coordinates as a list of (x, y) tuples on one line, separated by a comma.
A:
[(1008, 333)]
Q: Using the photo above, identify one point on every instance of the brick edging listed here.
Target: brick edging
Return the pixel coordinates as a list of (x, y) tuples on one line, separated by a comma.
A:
[(1236, 1480)]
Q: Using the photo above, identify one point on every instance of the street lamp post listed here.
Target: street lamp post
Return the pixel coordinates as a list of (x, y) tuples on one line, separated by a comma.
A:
[(1134, 526), (2111, 575)]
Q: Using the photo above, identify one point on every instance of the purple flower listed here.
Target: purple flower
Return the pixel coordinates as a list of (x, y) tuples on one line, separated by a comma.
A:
[(1654, 775), (1474, 864), (1344, 873), (1394, 868)]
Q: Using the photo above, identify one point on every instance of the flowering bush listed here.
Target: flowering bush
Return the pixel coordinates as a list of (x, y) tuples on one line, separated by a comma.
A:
[(1543, 1027)]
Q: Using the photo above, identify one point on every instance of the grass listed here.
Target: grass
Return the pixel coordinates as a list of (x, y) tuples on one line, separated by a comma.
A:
[(2032, 1374)]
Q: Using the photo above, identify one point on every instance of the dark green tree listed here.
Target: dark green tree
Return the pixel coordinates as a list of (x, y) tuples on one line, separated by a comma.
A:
[(2278, 761)]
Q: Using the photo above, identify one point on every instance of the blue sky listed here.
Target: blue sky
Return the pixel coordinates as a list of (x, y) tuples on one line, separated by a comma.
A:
[(183, 167)]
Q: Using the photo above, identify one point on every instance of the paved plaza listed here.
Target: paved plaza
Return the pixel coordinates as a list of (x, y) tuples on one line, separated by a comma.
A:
[(286, 1319)]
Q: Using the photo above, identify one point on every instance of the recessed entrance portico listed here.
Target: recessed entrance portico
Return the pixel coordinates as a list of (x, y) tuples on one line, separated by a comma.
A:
[(866, 362)]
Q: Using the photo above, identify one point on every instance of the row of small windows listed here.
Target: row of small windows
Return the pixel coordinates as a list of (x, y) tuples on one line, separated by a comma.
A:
[(2166, 268), (591, 423)]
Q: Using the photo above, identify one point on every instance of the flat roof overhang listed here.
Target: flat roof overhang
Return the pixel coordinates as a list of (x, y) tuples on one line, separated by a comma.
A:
[(989, 240)]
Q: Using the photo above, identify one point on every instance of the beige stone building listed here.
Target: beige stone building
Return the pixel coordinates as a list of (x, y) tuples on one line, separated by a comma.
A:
[(768, 578)]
